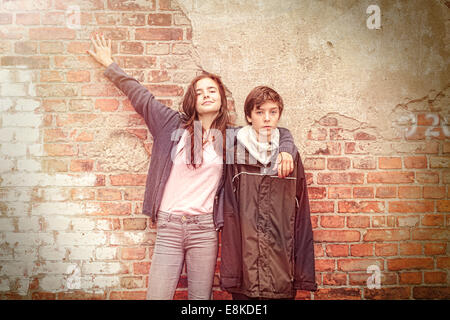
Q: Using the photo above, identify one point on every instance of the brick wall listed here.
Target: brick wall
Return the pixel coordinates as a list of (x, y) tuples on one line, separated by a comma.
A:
[(74, 157)]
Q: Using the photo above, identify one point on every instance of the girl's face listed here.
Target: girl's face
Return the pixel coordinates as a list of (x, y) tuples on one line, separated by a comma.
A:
[(208, 97)]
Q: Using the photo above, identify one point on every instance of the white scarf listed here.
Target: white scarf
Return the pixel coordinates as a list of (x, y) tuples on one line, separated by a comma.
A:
[(261, 151)]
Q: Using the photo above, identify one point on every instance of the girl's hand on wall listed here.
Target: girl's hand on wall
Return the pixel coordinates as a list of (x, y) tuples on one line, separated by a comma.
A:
[(285, 164), (102, 50)]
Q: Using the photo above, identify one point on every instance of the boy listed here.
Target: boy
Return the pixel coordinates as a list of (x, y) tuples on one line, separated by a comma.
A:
[(267, 241)]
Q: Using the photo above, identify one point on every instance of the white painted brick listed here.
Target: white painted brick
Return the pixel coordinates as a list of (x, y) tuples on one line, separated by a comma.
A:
[(26, 253), (6, 165), (4, 285), (28, 238), (6, 134), (14, 89), (27, 134), (36, 150), (27, 104), (24, 76), (81, 238), (6, 76), (83, 224), (5, 104), (106, 253), (15, 194), (15, 209), (22, 119), (128, 238), (102, 268), (6, 252), (29, 224), (51, 253), (104, 224), (15, 269), (53, 194), (106, 282), (32, 89), (52, 268), (43, 180), (57, 208), (29, 165), (13, 149), (52, 283), (23, 285), (57, 223), (82, 253), (7, 224)]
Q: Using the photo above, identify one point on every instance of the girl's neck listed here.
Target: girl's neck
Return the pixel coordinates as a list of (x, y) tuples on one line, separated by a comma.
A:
[(207, 120)]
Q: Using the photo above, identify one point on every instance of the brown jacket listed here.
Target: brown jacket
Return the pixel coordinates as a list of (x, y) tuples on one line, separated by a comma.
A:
[(267, 240)]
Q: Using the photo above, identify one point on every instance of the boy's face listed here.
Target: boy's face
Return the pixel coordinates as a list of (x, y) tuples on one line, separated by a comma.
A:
[(265, 119)]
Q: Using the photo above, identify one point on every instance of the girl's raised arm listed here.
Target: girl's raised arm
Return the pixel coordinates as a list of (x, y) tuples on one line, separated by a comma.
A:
[(155, 114)]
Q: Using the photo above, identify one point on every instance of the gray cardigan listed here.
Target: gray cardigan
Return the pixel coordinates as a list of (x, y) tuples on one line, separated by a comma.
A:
[(162, 122)]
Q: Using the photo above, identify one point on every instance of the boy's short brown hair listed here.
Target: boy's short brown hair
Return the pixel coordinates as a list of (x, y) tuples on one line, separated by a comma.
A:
[(258, 96)]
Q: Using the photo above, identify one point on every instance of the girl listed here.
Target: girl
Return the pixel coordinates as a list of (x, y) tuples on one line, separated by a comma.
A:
[(184, 187)]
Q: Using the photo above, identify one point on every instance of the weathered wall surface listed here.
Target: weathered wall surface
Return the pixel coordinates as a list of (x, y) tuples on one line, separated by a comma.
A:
[(369, 109)]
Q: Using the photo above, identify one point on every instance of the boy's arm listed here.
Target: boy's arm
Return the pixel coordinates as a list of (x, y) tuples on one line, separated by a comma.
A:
[(304, 271), (287, 152)]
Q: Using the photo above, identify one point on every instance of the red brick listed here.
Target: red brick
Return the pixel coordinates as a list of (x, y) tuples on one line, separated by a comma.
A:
[(78, 76), (360, 135), (433, 220), (441, 293), (386, 235), (407, 192), (408, 249), (141, 268), (51, 76), (363, 192), (317, 192), (133, 62), (167, 90), (107, 105), (128, 180), (434, 192), (358, 264), (416, 162), (47, 33), (99, 89), (106, 194), (435, 248), (126, 5), (337, 250), (390, 163), (328, 121), (401, 293), (81, 165), (386, 249), (338, 163), (427, 177), (133, 253), (59, 150), (365, 163), (80, 295), (135, 224), (25, 47), (410, 278), (158, 76), (336, 235), (443, 206), (314, 163), (339, 192), (28, 18), (334, 279), (340, 178), (443, 262), (317, 134), (159, 19), (109, 208), (336, 134), (338, 294), (435, 277), (134, 194), (128, 295), (325, 265), (390, 177), (361, 250), (411, 206), (332, 221), (159, 34), (362, 206), (409, 263), (54, 135), (430, 234), (321, 206), (358, 222)]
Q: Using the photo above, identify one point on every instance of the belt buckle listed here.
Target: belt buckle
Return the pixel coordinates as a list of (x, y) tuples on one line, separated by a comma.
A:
[(183, 218)]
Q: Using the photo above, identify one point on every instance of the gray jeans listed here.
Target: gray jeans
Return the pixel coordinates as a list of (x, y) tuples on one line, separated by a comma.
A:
[(183, 238)]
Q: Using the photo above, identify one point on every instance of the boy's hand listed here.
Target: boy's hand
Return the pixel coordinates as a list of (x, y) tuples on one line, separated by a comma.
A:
[(102, 50), (285, 164)]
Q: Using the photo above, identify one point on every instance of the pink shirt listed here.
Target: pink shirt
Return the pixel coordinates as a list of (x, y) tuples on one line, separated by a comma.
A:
[(188, 190)]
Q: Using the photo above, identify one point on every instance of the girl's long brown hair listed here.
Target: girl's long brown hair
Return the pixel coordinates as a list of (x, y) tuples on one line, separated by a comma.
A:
[(222, 120)]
